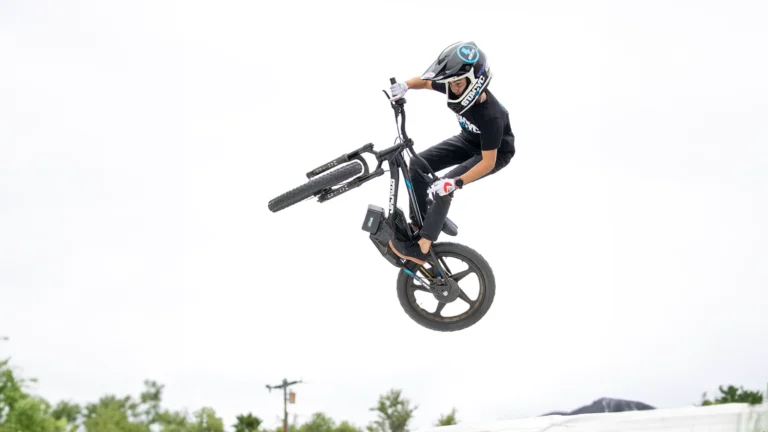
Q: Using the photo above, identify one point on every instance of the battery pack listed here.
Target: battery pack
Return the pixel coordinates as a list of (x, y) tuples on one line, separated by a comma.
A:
[(373, 218)]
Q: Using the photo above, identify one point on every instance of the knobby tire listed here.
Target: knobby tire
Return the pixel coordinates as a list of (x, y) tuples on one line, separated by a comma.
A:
[(484, 272), (314, 186)]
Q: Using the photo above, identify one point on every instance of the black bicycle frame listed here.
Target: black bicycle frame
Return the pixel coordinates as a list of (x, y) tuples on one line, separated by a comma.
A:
[(393, 156)]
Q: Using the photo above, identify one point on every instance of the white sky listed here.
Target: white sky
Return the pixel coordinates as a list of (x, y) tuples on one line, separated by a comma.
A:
[(141, 141)]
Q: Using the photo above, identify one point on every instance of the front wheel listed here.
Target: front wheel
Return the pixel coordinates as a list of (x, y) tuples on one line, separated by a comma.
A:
[(469, 292), (315, 185)]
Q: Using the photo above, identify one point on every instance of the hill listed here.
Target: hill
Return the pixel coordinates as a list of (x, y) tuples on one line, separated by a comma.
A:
[(605, 405)]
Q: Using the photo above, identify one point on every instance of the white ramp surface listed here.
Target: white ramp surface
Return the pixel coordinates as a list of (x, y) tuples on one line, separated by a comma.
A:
[(715, 418)]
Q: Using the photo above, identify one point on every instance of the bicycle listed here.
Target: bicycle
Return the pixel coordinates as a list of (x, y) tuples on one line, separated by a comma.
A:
[(348, 172)]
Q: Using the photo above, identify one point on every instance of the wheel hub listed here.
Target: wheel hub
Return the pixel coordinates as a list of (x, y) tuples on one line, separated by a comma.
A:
[(447, 293)]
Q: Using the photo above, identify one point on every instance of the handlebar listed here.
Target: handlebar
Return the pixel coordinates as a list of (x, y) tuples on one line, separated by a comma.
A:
[(398, 107)]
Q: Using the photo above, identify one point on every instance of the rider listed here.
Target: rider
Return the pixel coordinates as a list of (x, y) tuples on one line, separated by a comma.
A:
[(485, 144)]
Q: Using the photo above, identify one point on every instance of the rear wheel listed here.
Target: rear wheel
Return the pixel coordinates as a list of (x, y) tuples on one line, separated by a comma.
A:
[(462, 302), (315, 185)]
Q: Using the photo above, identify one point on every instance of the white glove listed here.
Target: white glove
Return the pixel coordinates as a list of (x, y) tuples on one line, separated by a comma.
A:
[(442, 187), (398, 90)]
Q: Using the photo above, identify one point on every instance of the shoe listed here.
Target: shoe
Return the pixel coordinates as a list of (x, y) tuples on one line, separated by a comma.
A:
[(409, 251)]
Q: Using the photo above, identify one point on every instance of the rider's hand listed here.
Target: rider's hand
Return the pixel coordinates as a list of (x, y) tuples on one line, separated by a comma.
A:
[(398, 90), (443, 187)]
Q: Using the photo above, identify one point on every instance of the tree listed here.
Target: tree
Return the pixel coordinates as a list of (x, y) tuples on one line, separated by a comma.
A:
[(69, 412), (448, 419), (173, 421), (21, 411), (319, 422), (734, 395), (346, 426), (207, 421), (150, 400), (394, 413), (111, 414), (247, 423)]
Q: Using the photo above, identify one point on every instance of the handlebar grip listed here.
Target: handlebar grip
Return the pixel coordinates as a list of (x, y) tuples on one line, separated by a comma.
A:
[(392, 80)]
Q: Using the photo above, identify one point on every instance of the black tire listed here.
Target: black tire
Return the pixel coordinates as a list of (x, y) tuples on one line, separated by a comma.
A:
[(315, 185), (477, 263)]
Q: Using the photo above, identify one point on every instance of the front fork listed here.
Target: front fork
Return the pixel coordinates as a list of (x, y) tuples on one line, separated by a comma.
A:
[(356, 155), (346, 157)]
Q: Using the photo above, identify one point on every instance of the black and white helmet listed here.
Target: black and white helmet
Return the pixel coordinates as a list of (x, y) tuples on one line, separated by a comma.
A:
[(459, 61)]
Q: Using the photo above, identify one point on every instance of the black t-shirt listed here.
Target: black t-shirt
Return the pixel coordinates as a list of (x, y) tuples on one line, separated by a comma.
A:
[(486, 124)]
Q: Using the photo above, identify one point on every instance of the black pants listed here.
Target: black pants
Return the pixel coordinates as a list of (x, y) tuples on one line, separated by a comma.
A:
[(452, 151)]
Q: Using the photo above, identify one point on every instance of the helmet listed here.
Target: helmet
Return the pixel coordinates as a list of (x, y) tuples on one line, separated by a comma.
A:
[(461, 60)]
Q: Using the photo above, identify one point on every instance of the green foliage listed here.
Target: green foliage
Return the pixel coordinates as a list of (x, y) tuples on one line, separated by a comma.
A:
[(111, 414), (150, 400), (448, 419), (173, 421), (346, 426), (320, 422), (21, 411), (394, 413), (731, 394), (247, 423), (32, 414), (68, 411), (207, 421)]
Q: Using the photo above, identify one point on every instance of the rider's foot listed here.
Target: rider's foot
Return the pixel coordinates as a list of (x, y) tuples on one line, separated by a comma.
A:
[(411, 250)]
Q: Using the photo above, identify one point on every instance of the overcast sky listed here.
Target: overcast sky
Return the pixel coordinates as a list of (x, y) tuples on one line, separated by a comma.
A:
[(141, 141)]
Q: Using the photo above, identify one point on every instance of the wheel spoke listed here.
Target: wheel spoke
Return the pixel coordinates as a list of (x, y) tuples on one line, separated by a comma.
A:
[(439, 309), (445, 265), (461, 275), (465, 297), (444, 287)]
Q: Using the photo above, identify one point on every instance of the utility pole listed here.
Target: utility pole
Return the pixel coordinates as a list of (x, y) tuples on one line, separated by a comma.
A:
[(284, 386)]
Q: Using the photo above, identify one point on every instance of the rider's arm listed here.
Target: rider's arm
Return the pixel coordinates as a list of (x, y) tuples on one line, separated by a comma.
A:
[(481, 168), (416, 83), (492, 131)]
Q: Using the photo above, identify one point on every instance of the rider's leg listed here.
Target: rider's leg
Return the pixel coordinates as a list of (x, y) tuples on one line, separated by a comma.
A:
[(436, 215), (450, 152)]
